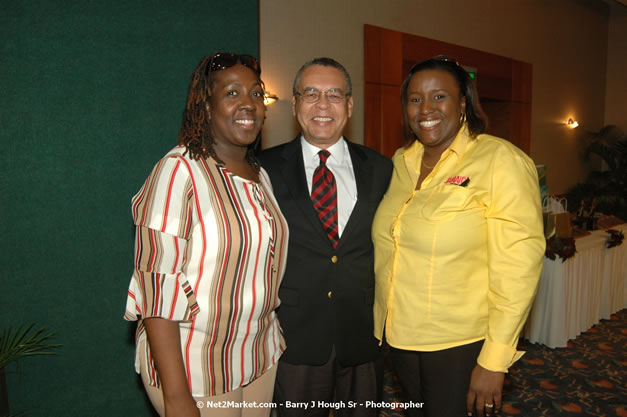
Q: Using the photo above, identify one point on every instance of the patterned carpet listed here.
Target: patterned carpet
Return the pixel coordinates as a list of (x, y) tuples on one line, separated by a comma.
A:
[(587, 378)]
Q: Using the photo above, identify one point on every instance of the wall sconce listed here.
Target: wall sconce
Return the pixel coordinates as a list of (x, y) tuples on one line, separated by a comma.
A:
[(269, 98), (572, 123)]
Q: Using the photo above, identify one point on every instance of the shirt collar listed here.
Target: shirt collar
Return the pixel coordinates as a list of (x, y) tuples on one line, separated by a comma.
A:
[(458, 146), (413, 154), (337, 150), (461, 141)]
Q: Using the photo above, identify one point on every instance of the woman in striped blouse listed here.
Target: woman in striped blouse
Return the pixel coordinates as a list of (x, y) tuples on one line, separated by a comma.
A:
[(210, 252)]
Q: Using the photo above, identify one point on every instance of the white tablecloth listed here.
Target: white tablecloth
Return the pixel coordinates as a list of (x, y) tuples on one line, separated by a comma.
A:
[(574, 295)]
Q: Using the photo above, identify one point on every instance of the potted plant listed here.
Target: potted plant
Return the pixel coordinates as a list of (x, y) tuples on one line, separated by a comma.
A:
[(608, 185), (18, 344)]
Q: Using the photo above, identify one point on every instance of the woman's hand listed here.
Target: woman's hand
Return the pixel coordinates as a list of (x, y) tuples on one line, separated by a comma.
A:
[(485, 390), (165, 346)]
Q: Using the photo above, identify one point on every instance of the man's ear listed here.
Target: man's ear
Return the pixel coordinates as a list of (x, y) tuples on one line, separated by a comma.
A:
[(349, 105)]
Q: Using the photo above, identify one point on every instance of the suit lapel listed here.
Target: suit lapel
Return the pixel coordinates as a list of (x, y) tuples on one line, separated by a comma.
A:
[(293, 172), (363, 180)]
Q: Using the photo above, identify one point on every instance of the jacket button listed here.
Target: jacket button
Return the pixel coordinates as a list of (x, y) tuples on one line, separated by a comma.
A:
[(330, 294), (334, 259)]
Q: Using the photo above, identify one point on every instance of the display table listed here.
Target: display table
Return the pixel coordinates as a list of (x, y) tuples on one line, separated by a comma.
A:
[(574, 295)]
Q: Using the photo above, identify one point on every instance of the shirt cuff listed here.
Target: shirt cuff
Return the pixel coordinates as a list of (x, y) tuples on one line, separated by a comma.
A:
[(160, 295), (498, 357)]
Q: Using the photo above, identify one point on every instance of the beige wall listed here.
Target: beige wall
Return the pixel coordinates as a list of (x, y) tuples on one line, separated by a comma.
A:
[(565, 41), (616, 93)]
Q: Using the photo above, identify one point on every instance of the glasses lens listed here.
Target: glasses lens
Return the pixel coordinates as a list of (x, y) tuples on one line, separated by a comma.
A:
[(446, 58), (221, 61), (312, 96), (250, 62), (335, 96)]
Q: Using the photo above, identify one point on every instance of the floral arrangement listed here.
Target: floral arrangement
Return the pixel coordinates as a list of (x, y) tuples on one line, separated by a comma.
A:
[(562, 247), (615, 239)]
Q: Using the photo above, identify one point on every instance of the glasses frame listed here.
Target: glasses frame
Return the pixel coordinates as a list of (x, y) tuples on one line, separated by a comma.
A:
[(320, 94), (447, 58), (224, 60)]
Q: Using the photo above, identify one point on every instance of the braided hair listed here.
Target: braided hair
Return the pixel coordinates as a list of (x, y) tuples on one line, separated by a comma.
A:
[(195, 132)]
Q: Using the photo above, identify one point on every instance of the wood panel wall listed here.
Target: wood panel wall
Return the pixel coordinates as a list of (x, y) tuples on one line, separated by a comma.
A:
[(504, 86)]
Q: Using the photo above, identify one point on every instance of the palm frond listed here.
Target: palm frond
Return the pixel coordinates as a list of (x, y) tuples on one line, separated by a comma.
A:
[(609, 135), (25, 342), (604, 151), (609, 186)]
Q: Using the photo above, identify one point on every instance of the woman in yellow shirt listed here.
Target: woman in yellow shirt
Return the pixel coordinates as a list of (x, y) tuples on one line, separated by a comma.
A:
[(458, 248)]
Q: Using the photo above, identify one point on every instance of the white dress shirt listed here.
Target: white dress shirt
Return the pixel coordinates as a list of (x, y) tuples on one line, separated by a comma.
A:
[(341, 166)]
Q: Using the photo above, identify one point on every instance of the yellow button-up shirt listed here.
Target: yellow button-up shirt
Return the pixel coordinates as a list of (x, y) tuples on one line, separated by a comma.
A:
[(458, 260)]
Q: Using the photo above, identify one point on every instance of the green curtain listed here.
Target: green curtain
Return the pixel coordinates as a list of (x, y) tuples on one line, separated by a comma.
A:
[(91, 96)]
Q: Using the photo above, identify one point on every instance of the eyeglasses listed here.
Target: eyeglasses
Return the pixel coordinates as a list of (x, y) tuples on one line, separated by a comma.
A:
[(223, 60), (446, 58), (311, 95), (442, 58)]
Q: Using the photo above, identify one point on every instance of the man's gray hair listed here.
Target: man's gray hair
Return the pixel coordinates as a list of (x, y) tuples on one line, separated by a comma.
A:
[(325, 62)]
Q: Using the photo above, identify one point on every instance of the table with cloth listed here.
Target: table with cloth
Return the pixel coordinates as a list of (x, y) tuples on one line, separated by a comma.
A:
[(575, 294)]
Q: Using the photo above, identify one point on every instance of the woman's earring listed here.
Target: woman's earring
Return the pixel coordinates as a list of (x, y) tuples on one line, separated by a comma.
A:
[(462, 118)]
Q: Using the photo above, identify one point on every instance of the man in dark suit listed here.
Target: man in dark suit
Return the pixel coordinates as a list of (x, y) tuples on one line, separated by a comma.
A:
[(328, 189)]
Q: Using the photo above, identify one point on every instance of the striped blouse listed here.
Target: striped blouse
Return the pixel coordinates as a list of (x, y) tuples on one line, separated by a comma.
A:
[(210, 253)]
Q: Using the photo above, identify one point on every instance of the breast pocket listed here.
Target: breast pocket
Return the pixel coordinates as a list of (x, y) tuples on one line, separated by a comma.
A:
[(446, 202)]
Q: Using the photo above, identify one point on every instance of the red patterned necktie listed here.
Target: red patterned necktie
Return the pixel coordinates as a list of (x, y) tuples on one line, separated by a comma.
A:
[(324, 197)]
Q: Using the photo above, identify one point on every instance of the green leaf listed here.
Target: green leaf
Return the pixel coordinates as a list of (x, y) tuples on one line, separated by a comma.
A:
[(24, 342)]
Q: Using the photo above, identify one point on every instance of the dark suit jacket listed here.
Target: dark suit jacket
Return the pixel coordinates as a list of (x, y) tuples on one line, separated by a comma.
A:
[(327, 295)]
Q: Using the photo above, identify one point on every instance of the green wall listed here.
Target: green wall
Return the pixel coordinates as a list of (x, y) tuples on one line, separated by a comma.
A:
[(91, 96)]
